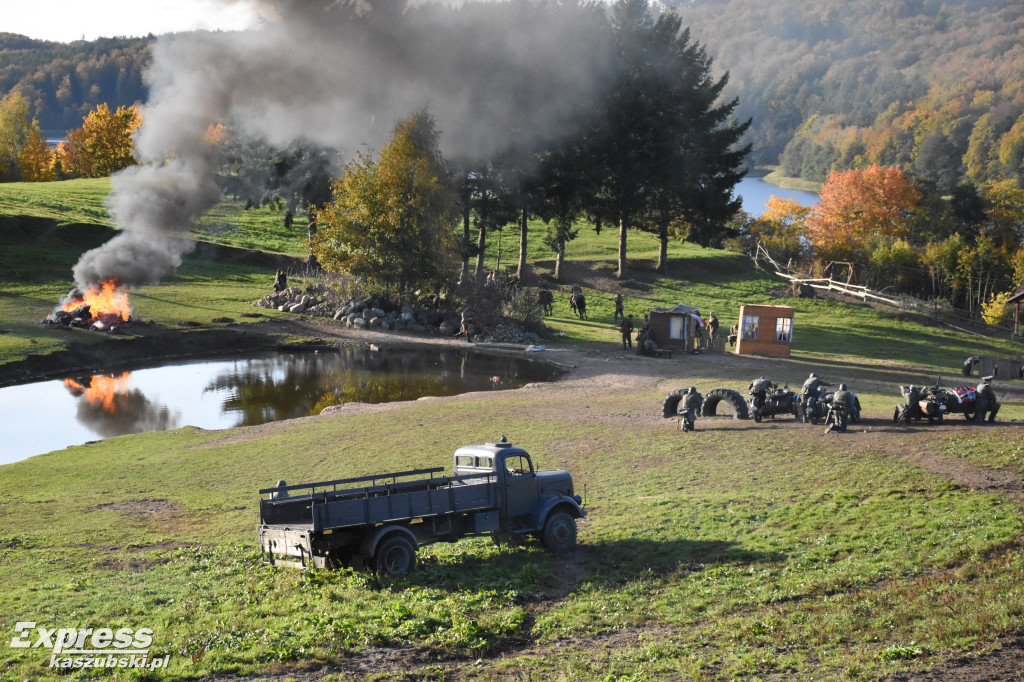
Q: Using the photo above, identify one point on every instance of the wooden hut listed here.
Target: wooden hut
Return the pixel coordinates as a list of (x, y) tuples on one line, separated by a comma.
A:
[(1017, 298), (765, 330), (676, 328)]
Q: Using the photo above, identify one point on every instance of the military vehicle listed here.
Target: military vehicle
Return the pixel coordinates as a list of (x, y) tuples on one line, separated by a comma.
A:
[(934, 403), (379, 521)]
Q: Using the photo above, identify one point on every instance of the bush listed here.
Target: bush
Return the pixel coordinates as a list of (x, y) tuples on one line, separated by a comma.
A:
[(997, 310)]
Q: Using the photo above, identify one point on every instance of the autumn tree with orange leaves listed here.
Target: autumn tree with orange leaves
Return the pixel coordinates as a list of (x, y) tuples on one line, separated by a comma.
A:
[(102, 145), (859, 206)]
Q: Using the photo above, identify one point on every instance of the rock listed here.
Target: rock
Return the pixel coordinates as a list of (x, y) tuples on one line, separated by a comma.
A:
[(339, 315), (447, 328), (297, 308), (282, 307), (360, 322), (373, 322), (367, 313)]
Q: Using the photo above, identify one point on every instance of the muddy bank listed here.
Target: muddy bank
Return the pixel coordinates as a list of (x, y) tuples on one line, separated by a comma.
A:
[(154, 344)]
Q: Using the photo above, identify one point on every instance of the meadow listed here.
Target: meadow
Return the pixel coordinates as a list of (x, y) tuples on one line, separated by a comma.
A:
[(768, 551)]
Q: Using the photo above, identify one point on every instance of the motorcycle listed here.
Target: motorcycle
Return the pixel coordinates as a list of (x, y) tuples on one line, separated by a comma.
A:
[(934, 403), (768, 403), (816, 407)]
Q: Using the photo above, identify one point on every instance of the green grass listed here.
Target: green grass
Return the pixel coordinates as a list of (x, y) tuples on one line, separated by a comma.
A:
[(737, 551), (70, 201), (712, 556)]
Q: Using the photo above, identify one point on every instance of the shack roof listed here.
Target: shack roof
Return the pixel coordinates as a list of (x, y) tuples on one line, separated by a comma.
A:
[(677, 309), (1017, 295)]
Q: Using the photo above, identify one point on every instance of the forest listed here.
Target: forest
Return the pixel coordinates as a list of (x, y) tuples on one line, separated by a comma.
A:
[(933, 86), (63, 82)]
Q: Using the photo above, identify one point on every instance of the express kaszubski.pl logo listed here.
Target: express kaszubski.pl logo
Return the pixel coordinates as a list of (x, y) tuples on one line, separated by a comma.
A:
[(90, 647)]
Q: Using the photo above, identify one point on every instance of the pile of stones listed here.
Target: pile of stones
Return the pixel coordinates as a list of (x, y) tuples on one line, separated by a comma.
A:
[(368, 313)]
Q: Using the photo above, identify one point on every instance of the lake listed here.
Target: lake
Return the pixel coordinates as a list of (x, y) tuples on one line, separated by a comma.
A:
[(756, 193), (226, 392)]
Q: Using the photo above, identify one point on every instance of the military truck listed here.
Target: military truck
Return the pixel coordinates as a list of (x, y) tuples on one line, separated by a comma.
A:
[(380, 521)]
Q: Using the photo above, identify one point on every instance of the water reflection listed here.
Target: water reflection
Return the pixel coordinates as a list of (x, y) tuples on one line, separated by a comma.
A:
[(243, 391), (299, 385), (109, 406)]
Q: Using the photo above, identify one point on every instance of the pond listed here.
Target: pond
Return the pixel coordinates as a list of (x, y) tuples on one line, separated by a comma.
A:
[(755, 193), (216, 394)]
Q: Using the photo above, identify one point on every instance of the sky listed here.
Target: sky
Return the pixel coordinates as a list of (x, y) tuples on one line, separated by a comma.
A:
[(68, 20)]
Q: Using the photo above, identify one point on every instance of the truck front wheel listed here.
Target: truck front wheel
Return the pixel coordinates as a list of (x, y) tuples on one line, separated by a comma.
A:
[(396, 556), (560, 532)]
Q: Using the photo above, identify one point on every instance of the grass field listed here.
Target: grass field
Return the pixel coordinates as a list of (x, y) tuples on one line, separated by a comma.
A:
[(746, 551)]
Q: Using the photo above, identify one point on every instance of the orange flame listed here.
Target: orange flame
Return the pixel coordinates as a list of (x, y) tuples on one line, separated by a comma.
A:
[(107, 299), (102, 390)]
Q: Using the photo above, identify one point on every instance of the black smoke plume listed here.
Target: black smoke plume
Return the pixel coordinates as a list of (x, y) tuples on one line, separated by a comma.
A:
[(499, 78)]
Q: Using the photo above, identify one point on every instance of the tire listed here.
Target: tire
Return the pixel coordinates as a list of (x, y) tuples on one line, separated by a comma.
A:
[(395, 556), (560, 533), (757, 416), (670, 407), (709, 407)]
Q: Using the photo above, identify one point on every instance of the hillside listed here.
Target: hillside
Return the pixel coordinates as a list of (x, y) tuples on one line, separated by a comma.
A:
[(932, 85), (63, 82)]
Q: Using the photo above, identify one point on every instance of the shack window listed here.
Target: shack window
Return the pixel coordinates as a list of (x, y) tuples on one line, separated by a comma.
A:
[(784, 329), (676, 328), (751, 326)]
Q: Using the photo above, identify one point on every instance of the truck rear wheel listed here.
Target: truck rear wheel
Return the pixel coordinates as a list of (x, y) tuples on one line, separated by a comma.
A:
[(560, 532), (396, 556)]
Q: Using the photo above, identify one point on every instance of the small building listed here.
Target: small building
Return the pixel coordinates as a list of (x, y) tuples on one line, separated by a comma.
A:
[(676, 328), (765, 330), (1017, 298)]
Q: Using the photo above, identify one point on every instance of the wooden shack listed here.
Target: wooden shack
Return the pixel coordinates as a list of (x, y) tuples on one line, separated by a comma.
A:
[(676, 328), (765, 330), (1017, 298)]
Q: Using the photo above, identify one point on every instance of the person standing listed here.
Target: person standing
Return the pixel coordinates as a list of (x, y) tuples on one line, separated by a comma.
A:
[(969, 363), (713, 327), (627, 332), (985, 401), (618, 308)]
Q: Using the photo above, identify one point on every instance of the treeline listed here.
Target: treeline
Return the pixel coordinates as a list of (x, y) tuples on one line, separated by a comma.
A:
[(63, 82), (933, 86)]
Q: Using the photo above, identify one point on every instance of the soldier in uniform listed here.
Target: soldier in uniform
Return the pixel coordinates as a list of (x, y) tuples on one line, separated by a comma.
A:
[(761, 385), (690, 406), (969, 364), (812, 387), (618, 308), (986, 402), (281, 281), (467, 324), (627, 331), (844, 396), (713, 327)]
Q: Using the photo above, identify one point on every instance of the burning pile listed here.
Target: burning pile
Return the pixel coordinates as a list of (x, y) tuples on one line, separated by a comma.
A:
[(101, 308)]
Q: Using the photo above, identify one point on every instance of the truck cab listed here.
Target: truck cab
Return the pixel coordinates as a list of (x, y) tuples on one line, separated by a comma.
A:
[(525, 494)]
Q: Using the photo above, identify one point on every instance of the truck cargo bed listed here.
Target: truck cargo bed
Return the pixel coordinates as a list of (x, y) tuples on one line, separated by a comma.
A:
[(330, 505)]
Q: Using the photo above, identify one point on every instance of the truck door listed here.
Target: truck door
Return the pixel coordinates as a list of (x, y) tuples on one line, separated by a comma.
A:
[(520, 486)]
